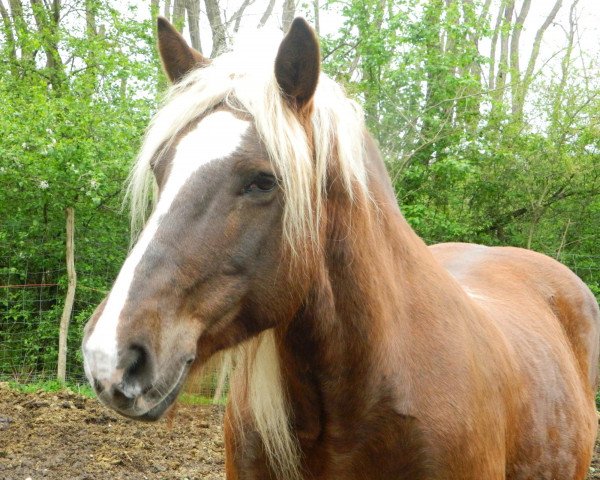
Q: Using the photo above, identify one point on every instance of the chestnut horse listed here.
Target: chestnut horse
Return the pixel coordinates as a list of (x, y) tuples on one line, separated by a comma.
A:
[(360, 352)]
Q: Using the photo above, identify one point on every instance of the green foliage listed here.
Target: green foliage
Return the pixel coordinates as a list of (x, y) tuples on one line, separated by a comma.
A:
[(463, 166), (67, 147)]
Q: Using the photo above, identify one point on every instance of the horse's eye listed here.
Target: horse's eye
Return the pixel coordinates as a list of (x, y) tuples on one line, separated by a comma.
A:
[(263, 182)]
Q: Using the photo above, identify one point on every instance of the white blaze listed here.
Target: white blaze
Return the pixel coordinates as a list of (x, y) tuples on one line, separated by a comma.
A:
[(214, 138)]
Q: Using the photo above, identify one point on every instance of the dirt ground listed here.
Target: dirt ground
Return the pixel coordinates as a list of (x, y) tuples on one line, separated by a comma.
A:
[(69, 437)]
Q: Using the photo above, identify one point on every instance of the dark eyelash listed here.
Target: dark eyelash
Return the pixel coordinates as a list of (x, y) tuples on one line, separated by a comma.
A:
[(263, 182)]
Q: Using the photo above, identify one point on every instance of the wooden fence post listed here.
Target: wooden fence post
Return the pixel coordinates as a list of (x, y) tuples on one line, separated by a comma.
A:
[(70, 298)]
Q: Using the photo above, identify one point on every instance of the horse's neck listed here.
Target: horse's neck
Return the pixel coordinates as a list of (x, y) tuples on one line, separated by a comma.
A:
[(352, 320)]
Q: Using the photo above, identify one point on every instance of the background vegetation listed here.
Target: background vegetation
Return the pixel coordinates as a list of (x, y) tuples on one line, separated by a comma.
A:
[(488, 137)]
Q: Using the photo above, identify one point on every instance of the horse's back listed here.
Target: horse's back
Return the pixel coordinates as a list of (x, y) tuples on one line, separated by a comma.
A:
[(525, 278), (550, 321)]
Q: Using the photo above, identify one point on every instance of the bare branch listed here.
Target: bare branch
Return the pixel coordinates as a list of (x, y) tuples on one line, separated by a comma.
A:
[(267, 13), (237, 16), (536, 50), (484, 11), (565, 65)]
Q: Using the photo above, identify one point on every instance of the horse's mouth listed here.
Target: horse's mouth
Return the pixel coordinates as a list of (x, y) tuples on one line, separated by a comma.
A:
[(147, 409), (156, 412)]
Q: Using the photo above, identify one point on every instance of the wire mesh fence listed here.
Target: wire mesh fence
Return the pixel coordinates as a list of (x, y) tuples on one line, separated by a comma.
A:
[(31, 303), (32, 293)]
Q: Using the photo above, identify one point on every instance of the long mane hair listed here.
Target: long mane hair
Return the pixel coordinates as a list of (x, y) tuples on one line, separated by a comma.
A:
[(245, 81)]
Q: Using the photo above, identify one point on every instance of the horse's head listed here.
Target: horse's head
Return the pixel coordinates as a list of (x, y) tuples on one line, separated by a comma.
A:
[(233, 156)]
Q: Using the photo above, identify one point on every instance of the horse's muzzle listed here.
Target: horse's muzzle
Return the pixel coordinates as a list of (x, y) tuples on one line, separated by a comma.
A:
[(135, 388)]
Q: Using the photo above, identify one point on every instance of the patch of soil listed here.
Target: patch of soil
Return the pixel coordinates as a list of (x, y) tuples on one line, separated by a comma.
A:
[(64, 436), (68, 437)]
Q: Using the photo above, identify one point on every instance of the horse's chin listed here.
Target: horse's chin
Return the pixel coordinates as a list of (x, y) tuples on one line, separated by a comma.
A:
[(156, 412), (141, 410)]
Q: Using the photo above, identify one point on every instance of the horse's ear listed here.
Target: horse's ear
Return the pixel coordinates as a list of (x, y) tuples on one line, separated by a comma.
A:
[(298, 63), (177, 57)]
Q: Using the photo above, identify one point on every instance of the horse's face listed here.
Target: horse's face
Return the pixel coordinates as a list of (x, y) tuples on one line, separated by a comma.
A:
[(207, 266), (208, 270)]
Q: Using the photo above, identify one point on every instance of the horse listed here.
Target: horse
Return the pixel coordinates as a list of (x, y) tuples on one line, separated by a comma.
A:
[(359, 352)]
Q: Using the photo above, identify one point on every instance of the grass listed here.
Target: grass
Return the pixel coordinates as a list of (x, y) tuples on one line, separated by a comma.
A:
[(194, 399), (87, 391), (53, 386)]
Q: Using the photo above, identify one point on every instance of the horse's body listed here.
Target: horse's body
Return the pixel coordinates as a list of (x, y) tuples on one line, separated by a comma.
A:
[(364, 354), (481, 363)]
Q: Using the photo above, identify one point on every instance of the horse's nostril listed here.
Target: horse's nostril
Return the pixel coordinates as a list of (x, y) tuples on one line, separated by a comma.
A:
[(138, 360), (135, 360), (137, 366)]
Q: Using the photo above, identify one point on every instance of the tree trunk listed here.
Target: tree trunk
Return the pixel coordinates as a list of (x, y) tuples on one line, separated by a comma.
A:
[(494, 46), (289, 10), (21, 34), (91, 9), (193, 14), (10, 38), (47, 22), (432, 111), (70, 297), (515, 67), (154, 9), (468, 109), (167, 10), (507, 14), (91, 60), (219, 36), (179, 14)]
